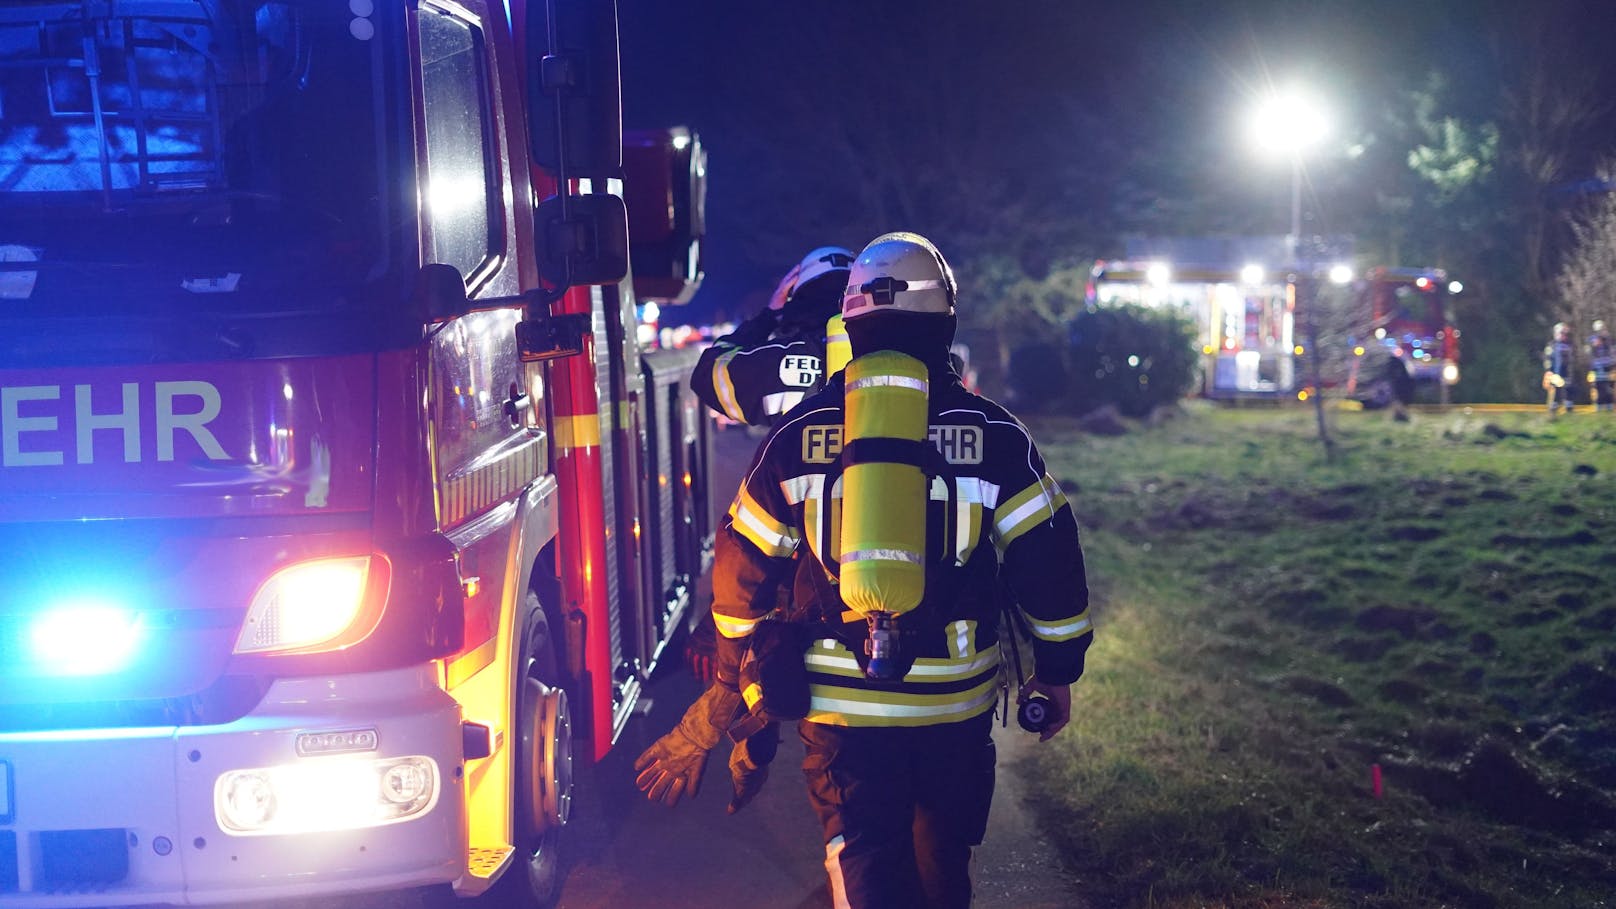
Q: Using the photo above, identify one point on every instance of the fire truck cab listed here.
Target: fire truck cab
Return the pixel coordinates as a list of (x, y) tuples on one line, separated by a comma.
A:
[(335, 527)]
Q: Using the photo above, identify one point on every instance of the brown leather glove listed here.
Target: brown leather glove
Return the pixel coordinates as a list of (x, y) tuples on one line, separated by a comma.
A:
[(672, 767)]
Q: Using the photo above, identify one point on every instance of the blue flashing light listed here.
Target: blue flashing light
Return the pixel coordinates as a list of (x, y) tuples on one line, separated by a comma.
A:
[(80, 640), (1416, 343)]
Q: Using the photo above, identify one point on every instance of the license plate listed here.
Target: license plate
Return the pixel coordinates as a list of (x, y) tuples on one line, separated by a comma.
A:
[(5, 792)]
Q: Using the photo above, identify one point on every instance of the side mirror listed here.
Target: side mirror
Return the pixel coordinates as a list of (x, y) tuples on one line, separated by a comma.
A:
[(665, 186), (574, 102), (583, 239)]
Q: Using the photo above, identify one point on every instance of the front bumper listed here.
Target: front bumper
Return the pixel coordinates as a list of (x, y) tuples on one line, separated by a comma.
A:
[(75, 796)]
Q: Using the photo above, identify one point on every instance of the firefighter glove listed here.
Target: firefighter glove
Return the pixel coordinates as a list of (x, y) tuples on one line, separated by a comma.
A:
[(749, 764), (672, 767)]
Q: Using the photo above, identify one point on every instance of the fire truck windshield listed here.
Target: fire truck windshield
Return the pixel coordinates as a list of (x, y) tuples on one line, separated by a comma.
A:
[(176, 157)]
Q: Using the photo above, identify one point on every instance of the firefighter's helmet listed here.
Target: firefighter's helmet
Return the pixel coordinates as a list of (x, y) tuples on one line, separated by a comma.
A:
[(899, 272), (827, 262), (1561, 328), (1599, 326)]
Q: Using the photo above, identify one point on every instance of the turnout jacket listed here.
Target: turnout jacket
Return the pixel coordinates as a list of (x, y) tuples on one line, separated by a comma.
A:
[(756, 373), (995, 515)]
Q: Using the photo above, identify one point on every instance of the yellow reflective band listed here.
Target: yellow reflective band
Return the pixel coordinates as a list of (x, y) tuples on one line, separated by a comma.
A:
[(962, 637), (831, 658), (1063, 630), (1027, 509), (580, 431), (725, 386), (836, 706), (770, 536), (731, 627), (751, 695)]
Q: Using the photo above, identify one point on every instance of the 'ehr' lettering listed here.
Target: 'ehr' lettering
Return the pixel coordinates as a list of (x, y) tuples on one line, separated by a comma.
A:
[(958, 444), (37, 427)]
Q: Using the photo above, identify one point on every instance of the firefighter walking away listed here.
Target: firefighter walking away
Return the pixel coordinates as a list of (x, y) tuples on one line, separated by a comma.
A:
[(909, 501)]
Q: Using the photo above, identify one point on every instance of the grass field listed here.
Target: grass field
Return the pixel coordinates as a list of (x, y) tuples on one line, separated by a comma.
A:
[(1437, 601)]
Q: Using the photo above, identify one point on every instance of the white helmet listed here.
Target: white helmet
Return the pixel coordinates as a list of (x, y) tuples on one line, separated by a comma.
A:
[(899, 272), (816, 264), (1599, 325)]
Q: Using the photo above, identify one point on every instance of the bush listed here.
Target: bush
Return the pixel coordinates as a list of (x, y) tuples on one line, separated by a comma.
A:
[(1131, 357), (1038, 382)]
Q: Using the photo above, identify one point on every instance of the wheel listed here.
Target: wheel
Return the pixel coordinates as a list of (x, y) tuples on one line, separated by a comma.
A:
[(544, 769)]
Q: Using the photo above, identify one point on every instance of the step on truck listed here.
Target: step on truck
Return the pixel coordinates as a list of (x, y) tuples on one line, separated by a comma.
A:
[(342, 513)]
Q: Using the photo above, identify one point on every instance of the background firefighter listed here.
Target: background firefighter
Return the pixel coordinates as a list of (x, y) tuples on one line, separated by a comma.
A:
[(1558, 374), (900, 772), (1602, 367), (768, 364)]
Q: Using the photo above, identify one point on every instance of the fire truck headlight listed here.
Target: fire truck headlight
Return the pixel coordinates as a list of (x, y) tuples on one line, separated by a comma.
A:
[(1450, 374), (311, 606), (84, 640), (324, 794)]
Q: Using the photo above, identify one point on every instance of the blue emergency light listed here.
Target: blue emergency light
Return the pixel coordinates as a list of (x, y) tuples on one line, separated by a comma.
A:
[(82, 639)]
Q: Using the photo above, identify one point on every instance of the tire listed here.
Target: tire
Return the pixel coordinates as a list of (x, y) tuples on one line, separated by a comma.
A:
[(543, 769)]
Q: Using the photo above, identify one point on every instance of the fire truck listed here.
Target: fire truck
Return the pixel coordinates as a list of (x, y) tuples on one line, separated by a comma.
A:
[(341, 512), (1252, 330)]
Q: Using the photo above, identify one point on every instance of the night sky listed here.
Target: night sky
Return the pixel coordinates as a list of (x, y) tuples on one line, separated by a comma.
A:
[(1054, 127)]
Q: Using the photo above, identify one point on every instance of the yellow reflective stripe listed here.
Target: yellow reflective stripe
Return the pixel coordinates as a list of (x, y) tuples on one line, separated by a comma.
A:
[(725, 386), (830, 657), (580, 431), (752, 694), (1027, 509), (836, 706), (962, 638), (1063, 629), (767, 534), (731, 627)]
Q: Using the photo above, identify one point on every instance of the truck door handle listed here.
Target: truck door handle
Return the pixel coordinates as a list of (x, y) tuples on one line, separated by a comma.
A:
[(516, 403)]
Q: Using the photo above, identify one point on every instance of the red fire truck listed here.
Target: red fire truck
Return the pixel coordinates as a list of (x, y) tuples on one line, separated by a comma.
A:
[(333, 525), (1251, 330)]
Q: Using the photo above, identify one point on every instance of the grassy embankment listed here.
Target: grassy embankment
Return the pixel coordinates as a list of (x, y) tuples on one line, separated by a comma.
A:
[(1439, 601)]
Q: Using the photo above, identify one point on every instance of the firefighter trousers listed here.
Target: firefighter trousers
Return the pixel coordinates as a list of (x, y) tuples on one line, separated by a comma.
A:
[(901, 809)]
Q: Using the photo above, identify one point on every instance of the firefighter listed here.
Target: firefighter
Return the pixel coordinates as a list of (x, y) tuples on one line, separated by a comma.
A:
[(909, 500), (768, 364), (774, 359), (1602, 366), (1557, 370)]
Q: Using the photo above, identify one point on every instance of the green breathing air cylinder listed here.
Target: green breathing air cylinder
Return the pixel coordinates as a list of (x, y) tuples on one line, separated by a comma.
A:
[(884, 496)]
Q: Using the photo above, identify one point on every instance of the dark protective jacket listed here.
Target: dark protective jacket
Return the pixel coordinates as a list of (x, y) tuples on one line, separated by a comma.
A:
[(1557, 359), (994, 501), (761, 370), (1601, 357)]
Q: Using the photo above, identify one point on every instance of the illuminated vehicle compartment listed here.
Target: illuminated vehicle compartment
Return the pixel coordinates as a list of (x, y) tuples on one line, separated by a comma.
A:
[(363, 793)]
